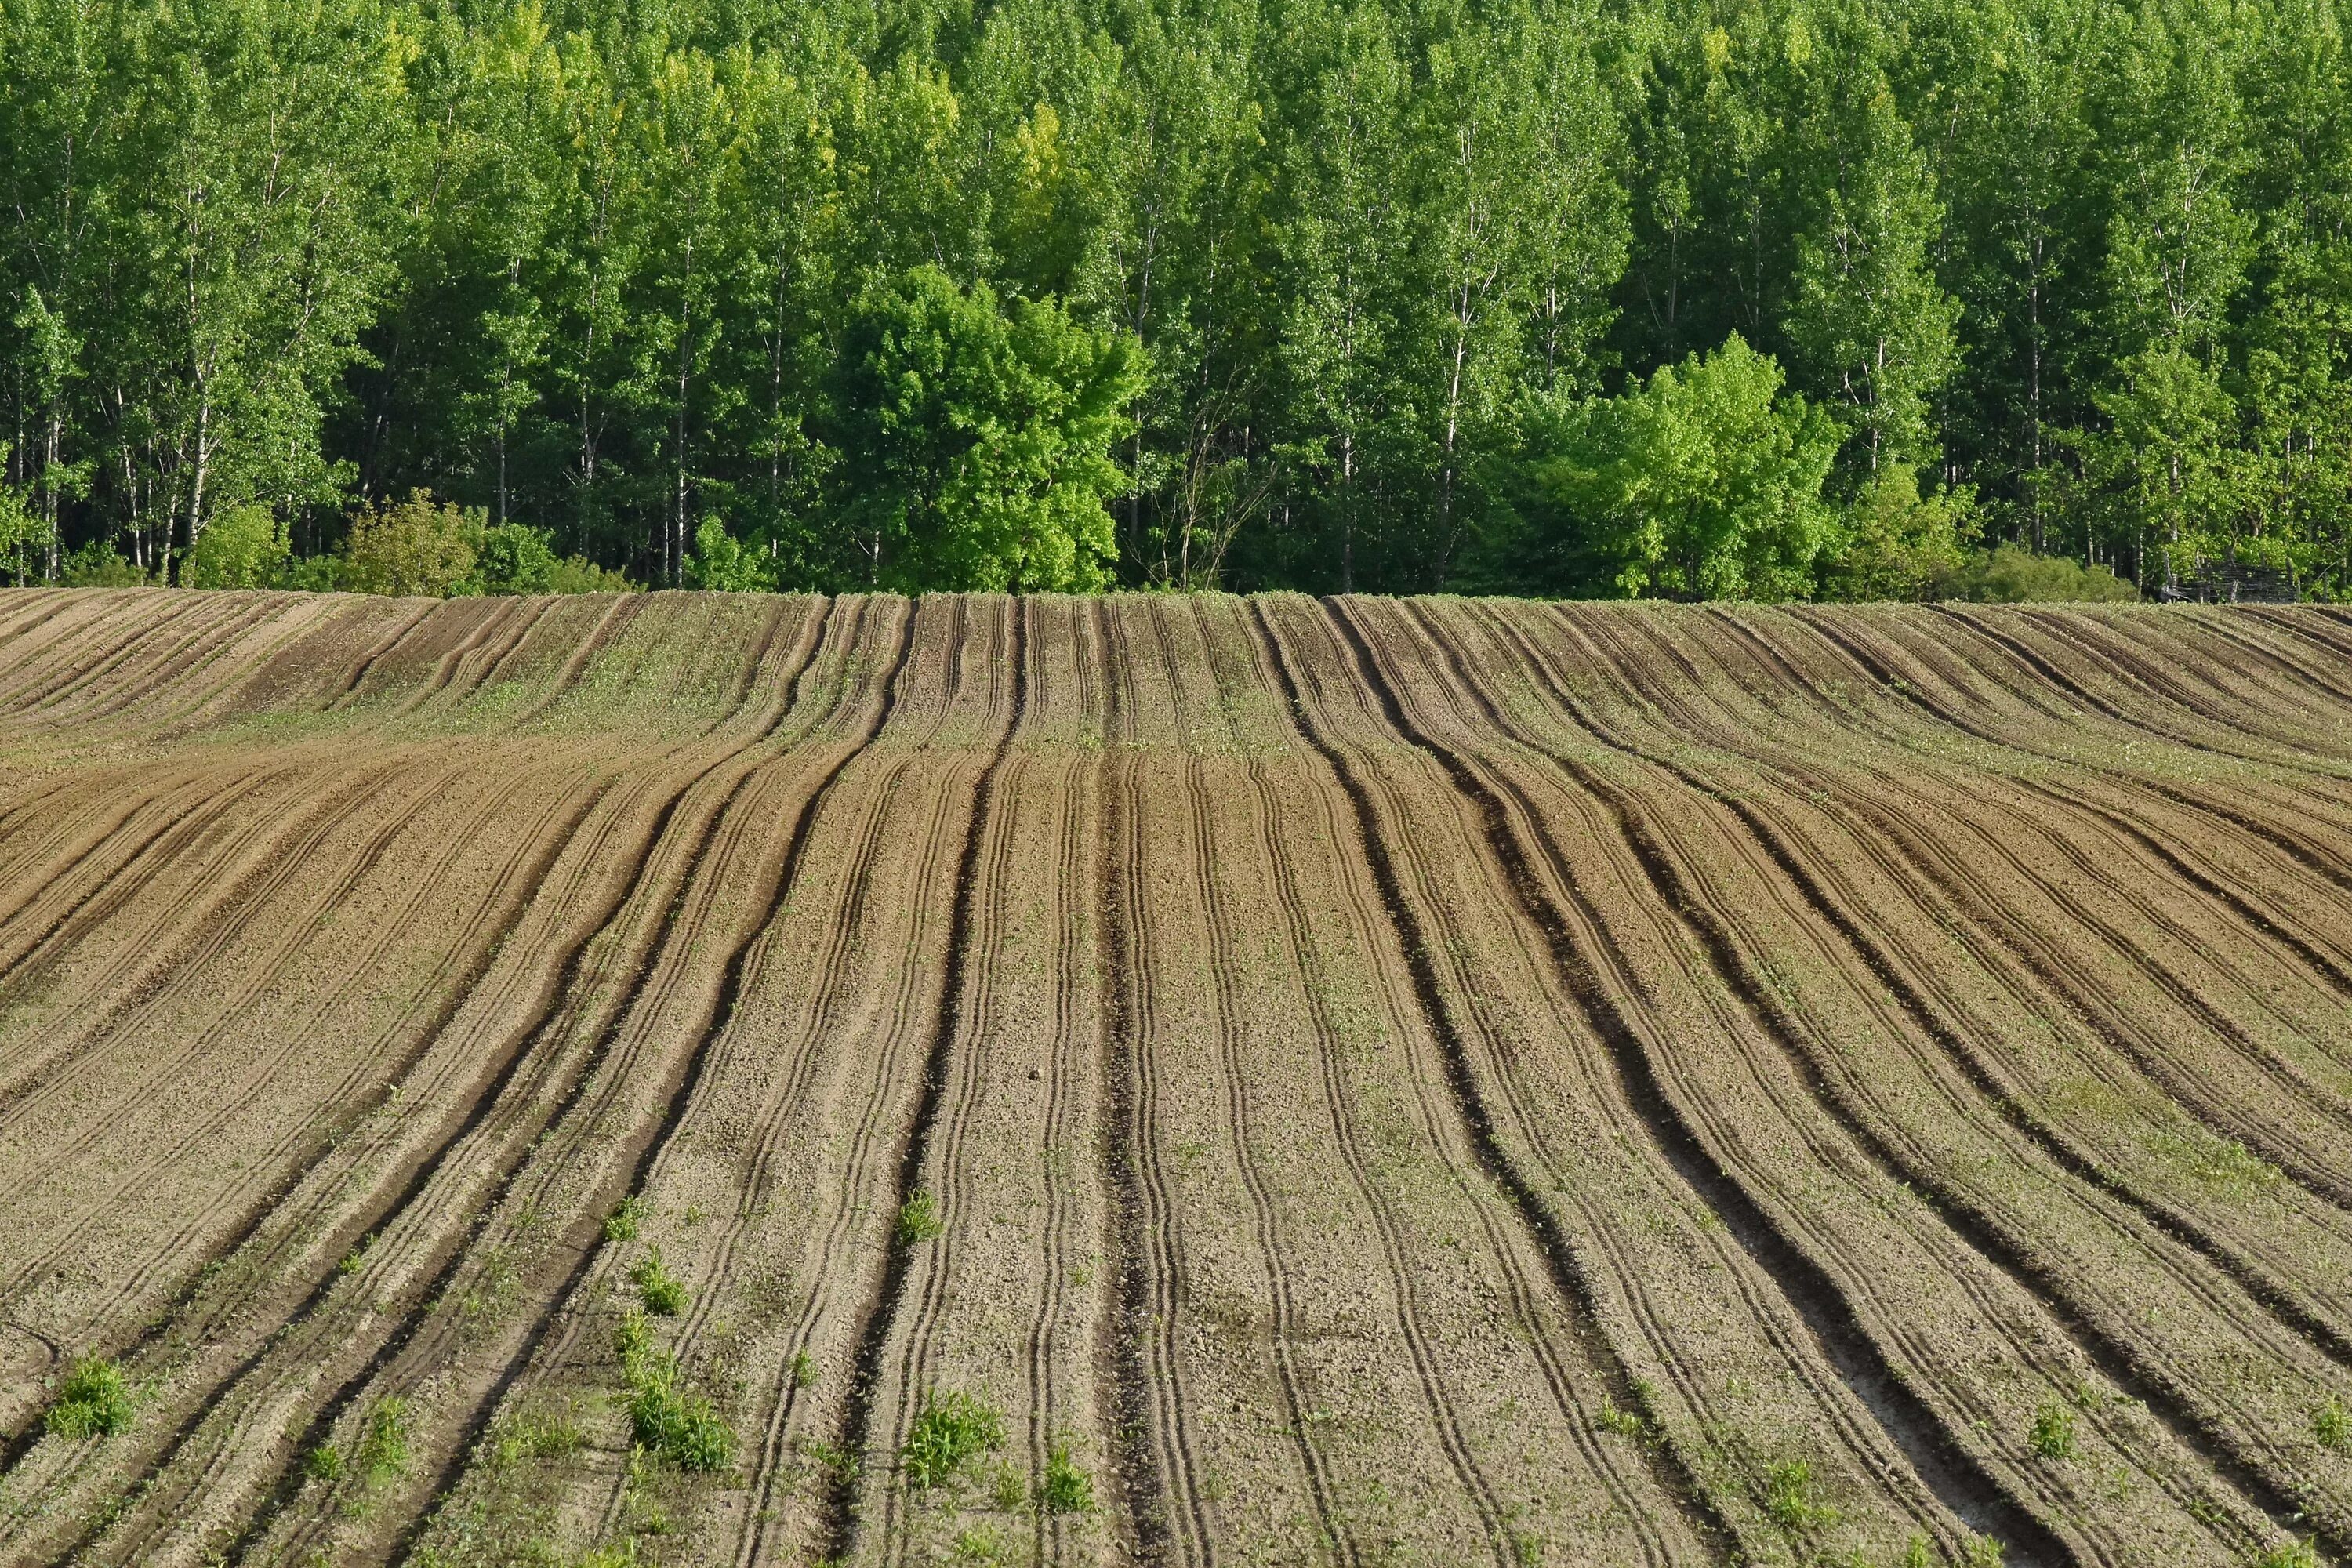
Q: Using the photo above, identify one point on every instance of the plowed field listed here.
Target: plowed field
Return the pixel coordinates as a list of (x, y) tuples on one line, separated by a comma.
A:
[(727, 1079)]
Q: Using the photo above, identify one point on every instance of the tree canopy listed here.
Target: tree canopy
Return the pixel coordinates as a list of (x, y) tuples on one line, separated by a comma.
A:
[(1390, 295)]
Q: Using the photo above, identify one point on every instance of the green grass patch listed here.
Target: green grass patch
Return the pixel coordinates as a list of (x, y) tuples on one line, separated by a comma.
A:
[(383, 1446), (660, 1291), (95, 1401), (951, 1431), (324, 1463), (1066, 1489), (621, 1225), (668, 1419), (2053, 1433), (2332, 1424), (1793, 1499), (2292, 1554), (918, 1219)]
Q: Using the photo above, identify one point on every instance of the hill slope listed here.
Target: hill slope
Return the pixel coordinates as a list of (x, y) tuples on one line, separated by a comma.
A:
[(1174, 1080)]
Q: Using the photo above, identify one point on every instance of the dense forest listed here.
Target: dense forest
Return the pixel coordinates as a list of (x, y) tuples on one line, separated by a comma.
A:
[(1677, 298)]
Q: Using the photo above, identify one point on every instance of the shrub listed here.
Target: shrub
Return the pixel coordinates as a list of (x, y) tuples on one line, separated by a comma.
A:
[(2053, 1436), (578, 575), (240, 548), (1066, 1488), (660, 1291), (1790, 1496), (414, 546), (94, 1402), (98, 566), (512, 558), (2011, 576), (950, 1431)]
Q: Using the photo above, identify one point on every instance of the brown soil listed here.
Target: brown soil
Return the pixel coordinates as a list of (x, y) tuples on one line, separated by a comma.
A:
[(1348, 1081)]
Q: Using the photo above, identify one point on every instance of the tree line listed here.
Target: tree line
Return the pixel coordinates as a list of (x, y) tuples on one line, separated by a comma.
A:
[(1688, 298)]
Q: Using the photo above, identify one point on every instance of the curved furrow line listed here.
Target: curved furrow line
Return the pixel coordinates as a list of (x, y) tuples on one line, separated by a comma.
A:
[(2198, 1430), (608, 628), (1959, 1481), (1634, 1088), (1940, 1016), (963, 1063), (2063, 975), (245, 867), (1065, 1127), (2251, 647), (1139, 1386), (221, 625), (841, 1520), (637, 1152), (849, 1215), (2016, 647), (495, 1104), (24, 701), (368, 1086), (545, 1163), (379, 652), (154, 1159), (80, 629), (489, 620), (285, 620), (260, 857), (1694, 1103), (2174, 677), (2305, 854), (2299, 626)]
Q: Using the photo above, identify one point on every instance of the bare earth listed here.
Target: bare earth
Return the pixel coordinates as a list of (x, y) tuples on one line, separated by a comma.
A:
[(1352, 1083)]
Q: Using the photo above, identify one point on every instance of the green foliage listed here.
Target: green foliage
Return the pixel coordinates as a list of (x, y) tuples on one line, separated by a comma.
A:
[(243, 547), (1704, 484), (2051, 1435), (2008, 575), (1066, 1489), (622, 1223), (93, 1402), (661, 1291), (918, 1220), (2331, 1423), (723, 564), (1791, 1498), (951, 1431), (383, 1441), (98, 565), (1055, 293), (2289, 1554), (324, 1464), (975, 438), (666, 1418), (414, 546)]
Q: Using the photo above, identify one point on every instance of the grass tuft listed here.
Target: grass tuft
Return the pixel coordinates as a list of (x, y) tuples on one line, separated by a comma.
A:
[(667, 1420), (2292, 1554), (1066, 1488), (1794, 1501), (621, 1225), (2332, 1423), (384, 1446), (951, 1431), (2052, 1433), (324, 1463), (660, 1291), (1615, 1418), (918, 1219), (94, 1403), (1984, 1552)]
